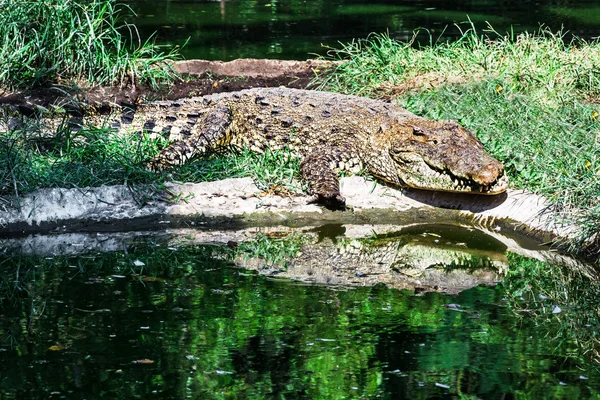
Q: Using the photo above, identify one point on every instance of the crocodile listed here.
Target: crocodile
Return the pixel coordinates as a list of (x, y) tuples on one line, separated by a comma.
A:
[(330, 132)]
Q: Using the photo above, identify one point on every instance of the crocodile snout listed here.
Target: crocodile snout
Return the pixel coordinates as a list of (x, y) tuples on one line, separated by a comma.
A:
[(489, 173)]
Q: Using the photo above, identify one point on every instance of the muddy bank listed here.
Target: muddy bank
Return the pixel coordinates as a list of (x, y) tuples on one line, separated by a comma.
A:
[(198, 78), (238, 202)]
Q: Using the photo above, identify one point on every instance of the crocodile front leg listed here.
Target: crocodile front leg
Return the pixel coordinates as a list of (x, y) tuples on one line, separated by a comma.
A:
[(319, 171), (212, 133)]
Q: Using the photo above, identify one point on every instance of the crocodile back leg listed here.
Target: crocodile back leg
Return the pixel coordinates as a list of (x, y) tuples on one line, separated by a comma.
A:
[(210, 134), (319, 170)]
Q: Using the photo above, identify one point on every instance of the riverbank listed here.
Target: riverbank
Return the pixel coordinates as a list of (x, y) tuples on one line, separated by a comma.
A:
[(530, 99), (231, 212), (240, 202)]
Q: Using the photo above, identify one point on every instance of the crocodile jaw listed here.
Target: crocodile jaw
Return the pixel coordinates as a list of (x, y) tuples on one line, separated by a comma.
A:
[(413, 171), (442, 155)]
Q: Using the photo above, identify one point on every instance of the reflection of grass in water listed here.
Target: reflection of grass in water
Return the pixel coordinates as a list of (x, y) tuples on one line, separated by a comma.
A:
[(212, 318), (18, 274), (268, 335), (449, 16), (272, 251), (207, 16), (588, 15), (534, 291), (372, 9)]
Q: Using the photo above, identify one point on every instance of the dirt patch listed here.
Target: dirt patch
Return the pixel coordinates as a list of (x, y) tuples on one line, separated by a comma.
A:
[(198, 78)]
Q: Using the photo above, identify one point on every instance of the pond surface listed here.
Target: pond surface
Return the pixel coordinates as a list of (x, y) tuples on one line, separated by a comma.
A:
[(299, 29), (155, 318)]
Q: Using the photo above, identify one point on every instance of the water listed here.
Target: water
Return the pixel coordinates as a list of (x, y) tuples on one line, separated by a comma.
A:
[(162, 316), (299, 29)]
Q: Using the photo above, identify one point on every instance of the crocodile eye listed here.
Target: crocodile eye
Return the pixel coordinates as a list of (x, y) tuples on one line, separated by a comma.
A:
[(423, 135), (418, 131), (394, 149)]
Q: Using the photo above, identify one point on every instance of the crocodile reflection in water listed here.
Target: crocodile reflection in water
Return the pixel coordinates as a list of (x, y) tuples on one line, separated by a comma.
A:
[(416, 260)]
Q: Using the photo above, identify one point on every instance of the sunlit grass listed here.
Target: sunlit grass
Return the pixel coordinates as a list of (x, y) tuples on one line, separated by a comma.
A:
[(95, 157), (53, 41), (542, 66), (273, 169)]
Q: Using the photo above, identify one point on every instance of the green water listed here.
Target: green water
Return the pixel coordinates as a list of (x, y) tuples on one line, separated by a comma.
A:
[(156, 319), (299, 29)]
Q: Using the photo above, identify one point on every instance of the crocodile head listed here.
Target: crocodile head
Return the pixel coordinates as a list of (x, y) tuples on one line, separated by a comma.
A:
[(442, 155)]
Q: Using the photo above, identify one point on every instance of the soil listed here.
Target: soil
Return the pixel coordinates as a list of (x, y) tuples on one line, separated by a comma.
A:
[(198, 78)]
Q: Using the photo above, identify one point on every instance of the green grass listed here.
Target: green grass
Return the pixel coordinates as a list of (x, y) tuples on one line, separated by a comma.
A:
[(273, 169), (94, 157), (88, 158), (543, 66), (531, 99), (54, 41)]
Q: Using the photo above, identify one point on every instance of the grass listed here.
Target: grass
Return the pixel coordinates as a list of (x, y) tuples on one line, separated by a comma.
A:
[(88, 158), (271, 170), (541, 65), (94, 157), (532, 99), (53, 41)]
